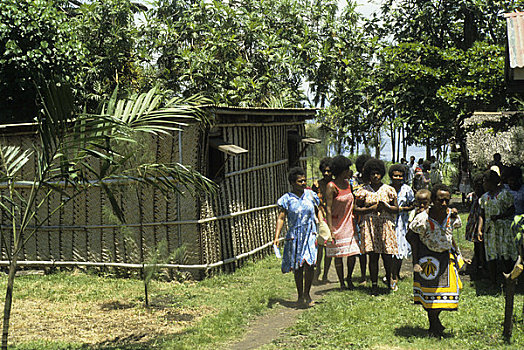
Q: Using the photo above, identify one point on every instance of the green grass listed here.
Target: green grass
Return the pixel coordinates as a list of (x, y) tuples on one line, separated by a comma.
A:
[(231, 300), (356, 320), (341, 320)]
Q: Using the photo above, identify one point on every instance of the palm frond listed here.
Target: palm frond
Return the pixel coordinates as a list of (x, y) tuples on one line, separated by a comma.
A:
[(12, 159)]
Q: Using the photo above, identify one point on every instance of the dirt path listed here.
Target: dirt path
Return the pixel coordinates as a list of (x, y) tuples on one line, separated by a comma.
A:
[(265, 329)]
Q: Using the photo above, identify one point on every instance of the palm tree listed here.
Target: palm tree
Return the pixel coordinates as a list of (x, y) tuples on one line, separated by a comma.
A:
[(69, 143)]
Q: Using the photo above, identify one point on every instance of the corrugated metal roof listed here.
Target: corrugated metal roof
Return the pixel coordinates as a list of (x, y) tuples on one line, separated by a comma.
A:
[(515, 21)]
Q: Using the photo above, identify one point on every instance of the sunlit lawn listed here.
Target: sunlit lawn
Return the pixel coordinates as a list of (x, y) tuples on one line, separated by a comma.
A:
[(85, 311)]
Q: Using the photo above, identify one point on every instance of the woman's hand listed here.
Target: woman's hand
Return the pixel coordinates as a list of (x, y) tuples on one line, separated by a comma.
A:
[(417, 268), (275, 242)]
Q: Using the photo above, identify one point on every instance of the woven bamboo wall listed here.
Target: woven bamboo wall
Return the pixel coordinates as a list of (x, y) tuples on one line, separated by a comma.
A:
[(84, 229), (252, 183)]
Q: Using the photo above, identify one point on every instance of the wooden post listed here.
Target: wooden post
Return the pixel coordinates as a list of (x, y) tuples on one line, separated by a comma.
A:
[(508, 309), (510, 280)]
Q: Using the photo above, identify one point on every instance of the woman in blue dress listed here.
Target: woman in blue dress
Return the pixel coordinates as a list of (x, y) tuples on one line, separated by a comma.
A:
[(300, 206)]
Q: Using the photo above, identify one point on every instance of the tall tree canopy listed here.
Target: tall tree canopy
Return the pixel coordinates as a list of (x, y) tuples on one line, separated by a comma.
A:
[(441, 61)]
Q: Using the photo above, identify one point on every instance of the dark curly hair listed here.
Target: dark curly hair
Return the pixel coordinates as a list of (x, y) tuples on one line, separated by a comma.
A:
[(324, 163), (396, 167), (513, 171), (439, 187), (294, 173), (478, 181), (360, 161), (373, 165), (491, 176), (339, 164)]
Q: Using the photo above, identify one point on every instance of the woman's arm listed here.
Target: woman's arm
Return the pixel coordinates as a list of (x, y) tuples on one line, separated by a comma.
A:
[(280, 223), (480, 226), (361, 209), (412, 237), (392, 206), (330, 194), (320, 213)]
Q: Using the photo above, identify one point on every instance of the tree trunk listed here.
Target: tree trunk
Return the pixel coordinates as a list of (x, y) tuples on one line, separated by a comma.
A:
[(508, 309), (352, 145), (404, 143), (398, 143), (8, 300), (428, 148), (377, 145), (392, 136)]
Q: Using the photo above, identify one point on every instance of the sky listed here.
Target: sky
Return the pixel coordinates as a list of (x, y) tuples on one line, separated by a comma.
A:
[(365, 7)]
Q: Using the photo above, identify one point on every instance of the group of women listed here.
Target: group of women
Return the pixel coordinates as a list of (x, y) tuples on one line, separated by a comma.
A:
[(364, 217), (367, 218)]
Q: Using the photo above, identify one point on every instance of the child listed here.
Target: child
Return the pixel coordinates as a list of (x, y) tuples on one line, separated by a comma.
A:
[(515, 187), (422, 202), (324, 234), (436, 283)]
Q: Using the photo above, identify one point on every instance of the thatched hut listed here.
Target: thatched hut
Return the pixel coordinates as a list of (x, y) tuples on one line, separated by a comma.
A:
[(488, 133), (247, 151)]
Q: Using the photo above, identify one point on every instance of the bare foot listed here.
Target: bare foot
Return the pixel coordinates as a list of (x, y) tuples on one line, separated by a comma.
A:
[(417, 268), (309, 302)]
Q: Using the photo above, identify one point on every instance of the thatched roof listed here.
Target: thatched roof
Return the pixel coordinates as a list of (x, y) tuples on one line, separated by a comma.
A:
[(488, 133)]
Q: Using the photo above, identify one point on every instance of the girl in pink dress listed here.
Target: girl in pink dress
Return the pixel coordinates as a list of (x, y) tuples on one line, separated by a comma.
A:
[(339, 207)]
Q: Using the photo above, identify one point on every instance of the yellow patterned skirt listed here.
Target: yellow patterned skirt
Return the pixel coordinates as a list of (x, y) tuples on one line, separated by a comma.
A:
[(437, 287)]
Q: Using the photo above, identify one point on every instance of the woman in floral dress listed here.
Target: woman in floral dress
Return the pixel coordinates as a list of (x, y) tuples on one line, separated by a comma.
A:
[(497, 210), (377, 205), (300, 206)]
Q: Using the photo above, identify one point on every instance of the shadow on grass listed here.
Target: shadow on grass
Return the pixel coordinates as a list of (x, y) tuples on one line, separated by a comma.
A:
[(286, 303), (410, 332), (133, 342)]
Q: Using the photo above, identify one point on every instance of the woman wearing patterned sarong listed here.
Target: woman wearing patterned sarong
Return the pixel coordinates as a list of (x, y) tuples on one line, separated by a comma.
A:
[(496, 215), (436, 283), (377, 205), (339, 208), (300, 206)]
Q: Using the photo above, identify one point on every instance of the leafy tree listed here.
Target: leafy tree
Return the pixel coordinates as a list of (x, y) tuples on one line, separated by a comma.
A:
[(442, 61), (37, 41), (238, 53), (339, 73), (108, 33)]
